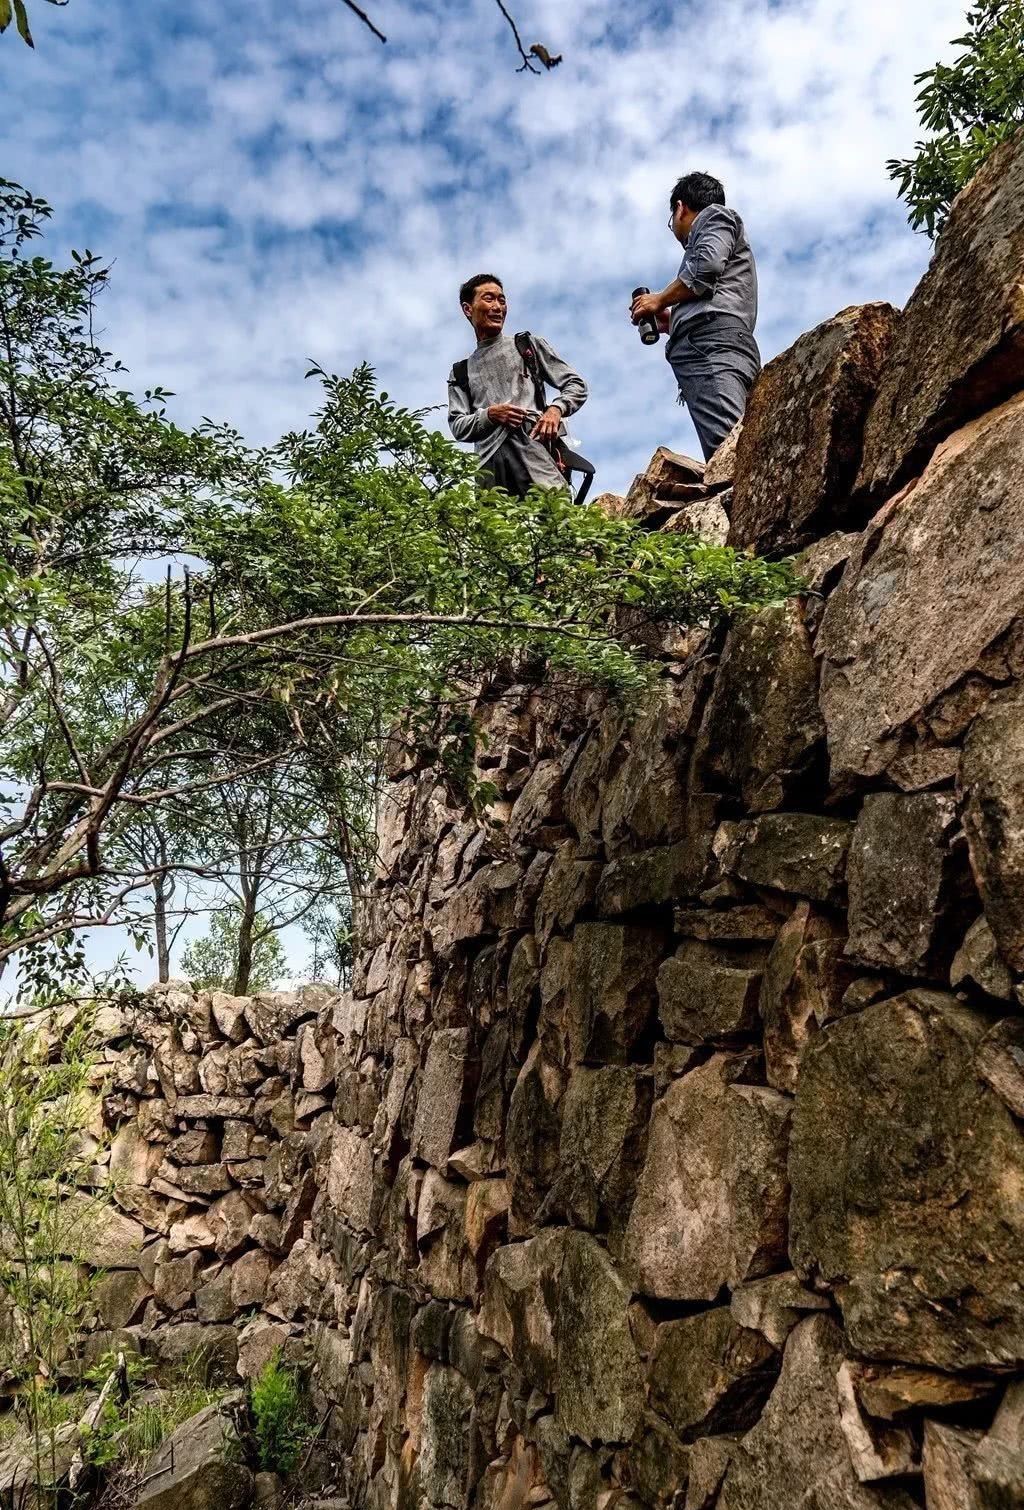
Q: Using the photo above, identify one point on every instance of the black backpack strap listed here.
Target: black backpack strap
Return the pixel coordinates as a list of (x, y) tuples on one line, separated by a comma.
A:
[(460, 373), (528, 351), (568, 461)]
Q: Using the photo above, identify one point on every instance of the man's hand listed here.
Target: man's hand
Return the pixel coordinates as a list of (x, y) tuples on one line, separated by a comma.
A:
[(546, 427), (645, 304), (509, 415), (664, 321)]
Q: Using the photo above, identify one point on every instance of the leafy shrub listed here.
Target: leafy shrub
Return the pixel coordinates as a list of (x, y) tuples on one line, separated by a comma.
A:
[(970, 106), (280, 1417)]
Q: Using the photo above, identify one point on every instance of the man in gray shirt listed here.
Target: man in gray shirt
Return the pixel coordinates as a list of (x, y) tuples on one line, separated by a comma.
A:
[(494, 398), (713, 300)]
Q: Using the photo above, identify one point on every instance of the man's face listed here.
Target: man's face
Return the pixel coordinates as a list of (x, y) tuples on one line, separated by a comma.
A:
[(681, 221), (487, 312)]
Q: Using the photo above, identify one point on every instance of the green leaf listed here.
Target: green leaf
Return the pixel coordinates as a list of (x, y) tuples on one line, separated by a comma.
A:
[(5, 14), (21, 16)]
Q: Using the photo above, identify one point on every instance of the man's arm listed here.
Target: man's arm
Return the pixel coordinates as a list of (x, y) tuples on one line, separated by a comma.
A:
[(465, 422), (572, 390), (709, 248), (677, 292)]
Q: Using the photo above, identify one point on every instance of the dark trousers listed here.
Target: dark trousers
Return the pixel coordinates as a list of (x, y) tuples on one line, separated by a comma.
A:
[(715, 360), (508, 469)]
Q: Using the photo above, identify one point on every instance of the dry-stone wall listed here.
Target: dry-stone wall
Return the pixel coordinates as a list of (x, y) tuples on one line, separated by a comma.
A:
[(668, 1151), (216, 1107), (675, 1155)]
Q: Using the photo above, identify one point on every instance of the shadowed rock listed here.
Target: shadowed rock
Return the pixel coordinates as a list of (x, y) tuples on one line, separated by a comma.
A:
[(902, 878), (710, 1375), (992, 782)]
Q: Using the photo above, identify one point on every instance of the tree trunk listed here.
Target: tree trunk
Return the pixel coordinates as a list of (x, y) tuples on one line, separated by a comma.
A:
[(243, 963), (163, 949)]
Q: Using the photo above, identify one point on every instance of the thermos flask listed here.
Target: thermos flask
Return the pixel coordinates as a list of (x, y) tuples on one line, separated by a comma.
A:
[(648, 326)]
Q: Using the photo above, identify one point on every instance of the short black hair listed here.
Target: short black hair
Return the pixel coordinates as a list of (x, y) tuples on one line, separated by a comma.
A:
[(696, 191), (471, 285)]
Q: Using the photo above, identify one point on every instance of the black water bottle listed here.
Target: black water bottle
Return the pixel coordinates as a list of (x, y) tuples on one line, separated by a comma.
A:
[(648, 326)]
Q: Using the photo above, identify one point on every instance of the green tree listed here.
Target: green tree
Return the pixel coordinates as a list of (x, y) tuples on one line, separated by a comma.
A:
[(211, 962), (970, 105), (349, 579)]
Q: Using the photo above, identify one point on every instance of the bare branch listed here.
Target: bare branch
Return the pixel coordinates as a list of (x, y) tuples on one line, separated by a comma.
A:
[(364, 18), (526, 64)]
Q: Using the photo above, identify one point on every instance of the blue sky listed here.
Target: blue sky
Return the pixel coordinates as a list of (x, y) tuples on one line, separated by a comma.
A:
[(273, 184)]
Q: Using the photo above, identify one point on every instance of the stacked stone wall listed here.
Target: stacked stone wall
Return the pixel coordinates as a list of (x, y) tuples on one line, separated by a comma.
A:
[(668, 1150), (675, 1158), (214, 1110)]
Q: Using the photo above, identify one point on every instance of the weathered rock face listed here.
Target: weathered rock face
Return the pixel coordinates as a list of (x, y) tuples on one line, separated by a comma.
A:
[(992, 783), (959, 347), (948, 551), (905, 1166), (710, 1208), (799, 449), (665, 1169)]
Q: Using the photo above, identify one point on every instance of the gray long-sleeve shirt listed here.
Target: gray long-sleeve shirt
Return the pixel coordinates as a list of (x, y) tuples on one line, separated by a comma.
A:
[(497, 375), (718, 266)]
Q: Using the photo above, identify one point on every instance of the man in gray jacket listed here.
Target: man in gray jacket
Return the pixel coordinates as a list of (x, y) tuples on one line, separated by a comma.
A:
[(713, 300), (496, 396)]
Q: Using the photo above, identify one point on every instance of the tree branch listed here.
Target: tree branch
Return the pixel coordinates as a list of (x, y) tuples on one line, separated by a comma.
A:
[(364, 18), (526, 64)]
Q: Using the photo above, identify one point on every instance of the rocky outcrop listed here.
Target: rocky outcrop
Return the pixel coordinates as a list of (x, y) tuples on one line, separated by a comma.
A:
[(799, 449), (959, 348)]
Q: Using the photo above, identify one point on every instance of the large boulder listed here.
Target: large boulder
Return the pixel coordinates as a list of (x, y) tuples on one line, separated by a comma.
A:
[(559, 1310), (711, 1203), (906, 1167), (992, 783), (797, 1453), (600, 1392), (798, 451), (762, 727), (800, 853), (902, 878), (939, 569), (959, 347), (198, 1467)]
